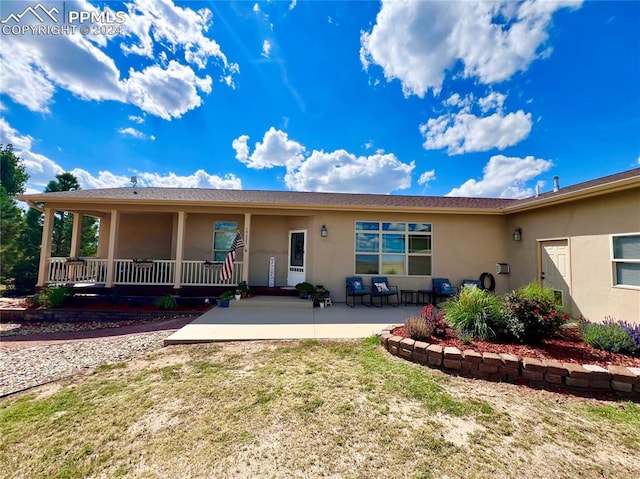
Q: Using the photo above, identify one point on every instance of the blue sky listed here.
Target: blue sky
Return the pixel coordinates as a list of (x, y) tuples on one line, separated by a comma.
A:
[(401, 97)]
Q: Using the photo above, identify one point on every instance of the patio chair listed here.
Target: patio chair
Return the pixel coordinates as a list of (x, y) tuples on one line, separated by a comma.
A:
[(470, 282), (442, 288), (380, 288), (355, 288)]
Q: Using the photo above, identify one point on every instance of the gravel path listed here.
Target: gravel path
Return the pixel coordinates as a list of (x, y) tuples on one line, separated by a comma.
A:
[(30, 364)]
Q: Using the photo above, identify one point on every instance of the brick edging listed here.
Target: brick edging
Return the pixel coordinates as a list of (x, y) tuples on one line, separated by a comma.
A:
[(510, 368), (79, 315)]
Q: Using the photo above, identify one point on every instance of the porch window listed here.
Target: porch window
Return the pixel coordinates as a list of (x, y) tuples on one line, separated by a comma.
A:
[(393, 248), (224, 233), (626, 260)]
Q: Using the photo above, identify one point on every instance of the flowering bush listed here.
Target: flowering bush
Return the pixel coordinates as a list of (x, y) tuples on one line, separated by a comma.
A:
[(426, 325), (613, 336), (534, 314), (435, 322)]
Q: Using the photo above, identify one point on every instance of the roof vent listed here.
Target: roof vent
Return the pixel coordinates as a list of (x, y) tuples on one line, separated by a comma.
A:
[(556, 183), (134, 181), (537, 189)]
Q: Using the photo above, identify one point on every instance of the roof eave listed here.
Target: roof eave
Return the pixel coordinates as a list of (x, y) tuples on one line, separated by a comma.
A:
[(560, 197)]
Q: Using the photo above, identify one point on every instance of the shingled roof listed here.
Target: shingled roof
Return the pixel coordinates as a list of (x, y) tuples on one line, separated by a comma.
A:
[(296, 199)]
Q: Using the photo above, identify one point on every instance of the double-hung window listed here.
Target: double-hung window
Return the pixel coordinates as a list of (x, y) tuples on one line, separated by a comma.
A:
[(224, 232), (626, 260), (393, 248)]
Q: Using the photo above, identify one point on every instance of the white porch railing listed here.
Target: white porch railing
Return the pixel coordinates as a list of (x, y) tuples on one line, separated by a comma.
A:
[(196, 273), (130, 272), (86, 270)]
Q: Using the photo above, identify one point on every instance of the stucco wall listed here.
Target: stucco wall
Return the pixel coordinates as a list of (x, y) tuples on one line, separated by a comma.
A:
[(587, 225), (145, 235), (464, 246)]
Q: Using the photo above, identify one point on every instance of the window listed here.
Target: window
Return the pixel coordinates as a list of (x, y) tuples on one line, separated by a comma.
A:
[(393, 248), (224, 232), (626, 260)]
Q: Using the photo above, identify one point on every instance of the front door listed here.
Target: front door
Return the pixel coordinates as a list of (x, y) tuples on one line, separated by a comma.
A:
[(297, 257), (556, 270)]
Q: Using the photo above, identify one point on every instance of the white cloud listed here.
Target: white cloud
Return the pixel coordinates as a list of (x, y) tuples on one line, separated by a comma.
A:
[(256, 8), (419, 43), (504, 177), (266, 49), (463, 131), (136, 119), (325, 171), (171, 38), (293, 4), (42, 170), (135, 134), (275, 150), (167, 93), (426, 177)]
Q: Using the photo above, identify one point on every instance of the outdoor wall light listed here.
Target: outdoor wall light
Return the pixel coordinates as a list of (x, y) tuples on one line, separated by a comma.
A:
[(324, 232), (517, 234)]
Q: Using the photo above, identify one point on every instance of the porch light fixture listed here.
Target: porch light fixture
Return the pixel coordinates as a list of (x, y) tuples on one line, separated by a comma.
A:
[(324, 232), (517, 234)]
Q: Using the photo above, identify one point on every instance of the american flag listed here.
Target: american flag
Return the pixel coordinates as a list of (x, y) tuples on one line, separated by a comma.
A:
[(227, 267)]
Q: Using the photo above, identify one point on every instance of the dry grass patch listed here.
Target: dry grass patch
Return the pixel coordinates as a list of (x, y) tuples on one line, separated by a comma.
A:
[(307, 409)]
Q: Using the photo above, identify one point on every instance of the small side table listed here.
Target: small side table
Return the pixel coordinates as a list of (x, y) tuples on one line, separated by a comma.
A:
[(423, 294), (407, 296)]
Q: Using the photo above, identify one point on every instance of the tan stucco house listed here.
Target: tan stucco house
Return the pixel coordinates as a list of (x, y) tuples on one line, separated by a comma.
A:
[(582, 240)]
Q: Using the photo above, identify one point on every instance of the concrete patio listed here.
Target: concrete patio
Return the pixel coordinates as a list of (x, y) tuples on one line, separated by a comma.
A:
[(288, 318)]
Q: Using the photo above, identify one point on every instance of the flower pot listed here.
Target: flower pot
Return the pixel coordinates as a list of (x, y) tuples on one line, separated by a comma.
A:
[(223, 303), (237, 296)]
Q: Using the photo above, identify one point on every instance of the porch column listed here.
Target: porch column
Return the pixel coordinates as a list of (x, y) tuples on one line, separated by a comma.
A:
[(245, 255), (111, 255), (45, 247), (182, 221), (76, 234)]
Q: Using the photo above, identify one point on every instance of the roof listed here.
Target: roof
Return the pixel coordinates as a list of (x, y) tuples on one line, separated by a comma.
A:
[(299, 200)]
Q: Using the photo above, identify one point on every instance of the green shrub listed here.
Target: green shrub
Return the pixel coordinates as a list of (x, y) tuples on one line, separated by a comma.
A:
[(533, 314), (609, 336), (51, 297), (167, 302), (477, 312)]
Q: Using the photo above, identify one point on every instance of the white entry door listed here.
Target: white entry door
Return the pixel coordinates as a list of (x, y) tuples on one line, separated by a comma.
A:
[(297, 257), (556, 268)]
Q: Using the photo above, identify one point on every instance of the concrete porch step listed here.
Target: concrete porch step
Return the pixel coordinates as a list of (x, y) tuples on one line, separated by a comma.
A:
[(288, 302)]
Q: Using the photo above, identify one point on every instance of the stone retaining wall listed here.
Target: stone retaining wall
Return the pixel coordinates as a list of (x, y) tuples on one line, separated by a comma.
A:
[(72, 316), (507, 367)]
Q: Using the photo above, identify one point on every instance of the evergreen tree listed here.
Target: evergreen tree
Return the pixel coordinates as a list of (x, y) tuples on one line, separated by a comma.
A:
[(12, 181)]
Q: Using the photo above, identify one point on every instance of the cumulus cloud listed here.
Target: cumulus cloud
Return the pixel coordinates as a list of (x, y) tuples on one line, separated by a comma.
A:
[(426, 177), (42, 169), (463, 132), (504, 177), (324, 171), (275, 149), (420, 43), (173, 40), (136, 119)]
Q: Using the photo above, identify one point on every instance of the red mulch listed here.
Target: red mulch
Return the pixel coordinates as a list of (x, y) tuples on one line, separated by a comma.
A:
[(568, 348)]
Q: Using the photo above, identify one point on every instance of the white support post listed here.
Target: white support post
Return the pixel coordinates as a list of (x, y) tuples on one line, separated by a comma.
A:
[(177, 280), (245, 253), (113, 235), (76, 234), (45, 247)]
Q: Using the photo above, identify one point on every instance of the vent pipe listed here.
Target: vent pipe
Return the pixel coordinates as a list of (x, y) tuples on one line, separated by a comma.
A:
[(537, 189), (556, 183)]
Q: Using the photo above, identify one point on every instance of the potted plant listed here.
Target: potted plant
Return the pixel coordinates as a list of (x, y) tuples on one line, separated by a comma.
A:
[(243, 287), (223, 299), (304, 289)]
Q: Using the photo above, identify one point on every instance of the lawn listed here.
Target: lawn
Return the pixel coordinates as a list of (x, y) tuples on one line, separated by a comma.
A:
[(343, 409)]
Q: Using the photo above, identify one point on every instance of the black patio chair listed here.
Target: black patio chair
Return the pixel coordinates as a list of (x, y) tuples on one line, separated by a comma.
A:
[(356, 288), (442, 289), (380, 288)]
